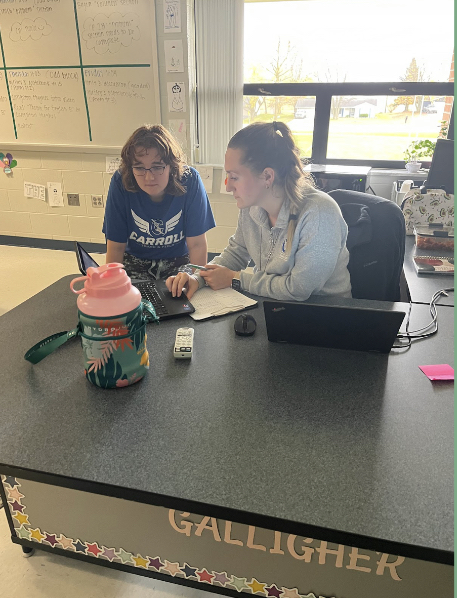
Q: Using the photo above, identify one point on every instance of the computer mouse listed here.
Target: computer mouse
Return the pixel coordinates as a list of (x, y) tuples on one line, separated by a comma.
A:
[(245, 325)]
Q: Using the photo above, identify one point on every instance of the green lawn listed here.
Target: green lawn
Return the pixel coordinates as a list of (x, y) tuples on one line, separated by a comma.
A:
[(360, 138)]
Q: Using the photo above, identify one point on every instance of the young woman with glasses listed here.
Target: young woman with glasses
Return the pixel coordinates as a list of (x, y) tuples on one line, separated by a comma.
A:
[(295, 234), (157, 210)]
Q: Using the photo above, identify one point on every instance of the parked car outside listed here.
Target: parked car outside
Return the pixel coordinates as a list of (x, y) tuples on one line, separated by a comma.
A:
[(300, 113)]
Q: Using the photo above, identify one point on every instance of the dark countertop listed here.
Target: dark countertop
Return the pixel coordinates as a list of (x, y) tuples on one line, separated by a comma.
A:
[(423, 286), (350, 441)]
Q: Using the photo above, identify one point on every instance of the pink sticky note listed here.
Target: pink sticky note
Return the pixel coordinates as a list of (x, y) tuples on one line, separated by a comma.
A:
[(442, 371)]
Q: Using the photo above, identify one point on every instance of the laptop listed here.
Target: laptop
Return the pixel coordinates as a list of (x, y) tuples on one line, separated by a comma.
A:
[(334, 326), (154, 291), (441, 173)]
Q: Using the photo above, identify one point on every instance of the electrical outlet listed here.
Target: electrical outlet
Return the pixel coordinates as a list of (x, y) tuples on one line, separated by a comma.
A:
[(73, 199), (97, 201)]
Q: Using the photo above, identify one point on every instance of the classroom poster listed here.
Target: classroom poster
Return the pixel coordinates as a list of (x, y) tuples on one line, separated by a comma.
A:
[(178, 128), (55, 196), (174, 56), (176, 97), (34, 190), (172, 16), (206, 174), (112, 163)]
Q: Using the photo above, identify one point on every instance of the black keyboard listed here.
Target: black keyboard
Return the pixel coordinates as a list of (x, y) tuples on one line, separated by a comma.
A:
[(149, 292)]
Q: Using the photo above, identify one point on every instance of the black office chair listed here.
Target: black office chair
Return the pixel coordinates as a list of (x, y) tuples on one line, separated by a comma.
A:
[(376, 244)]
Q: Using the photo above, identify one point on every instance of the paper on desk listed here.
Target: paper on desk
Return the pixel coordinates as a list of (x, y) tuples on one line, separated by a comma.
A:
[(442, 371), (210, 304)]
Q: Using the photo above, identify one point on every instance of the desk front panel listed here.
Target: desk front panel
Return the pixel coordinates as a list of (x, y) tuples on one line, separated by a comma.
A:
[(208, 552)]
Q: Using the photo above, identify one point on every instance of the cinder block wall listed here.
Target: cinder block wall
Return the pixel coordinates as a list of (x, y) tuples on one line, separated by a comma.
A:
[(83, 174), (29, 217)]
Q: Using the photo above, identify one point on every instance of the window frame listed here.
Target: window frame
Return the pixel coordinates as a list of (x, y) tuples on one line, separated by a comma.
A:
[(324, 92)]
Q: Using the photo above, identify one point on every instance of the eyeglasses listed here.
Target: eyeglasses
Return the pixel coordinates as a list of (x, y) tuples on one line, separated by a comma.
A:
[(154, 170)]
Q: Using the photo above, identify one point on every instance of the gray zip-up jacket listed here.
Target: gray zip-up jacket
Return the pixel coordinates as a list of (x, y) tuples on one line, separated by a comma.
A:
[(316, 264)]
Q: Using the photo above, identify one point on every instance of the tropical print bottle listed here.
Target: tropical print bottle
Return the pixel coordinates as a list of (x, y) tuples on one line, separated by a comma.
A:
[(115, 352), (112, 327)]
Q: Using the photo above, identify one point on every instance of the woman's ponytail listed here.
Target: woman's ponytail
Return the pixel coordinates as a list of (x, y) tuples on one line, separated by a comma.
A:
[(271, 145)]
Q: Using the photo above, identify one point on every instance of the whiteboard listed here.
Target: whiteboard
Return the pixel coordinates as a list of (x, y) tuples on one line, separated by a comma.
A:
[(77, 72)]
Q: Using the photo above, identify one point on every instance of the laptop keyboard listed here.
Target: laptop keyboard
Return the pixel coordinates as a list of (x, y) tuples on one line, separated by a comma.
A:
[(149, 292)]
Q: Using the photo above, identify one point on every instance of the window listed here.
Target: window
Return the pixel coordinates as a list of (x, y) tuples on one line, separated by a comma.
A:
[(291, 109), (353, 84), (381, 127)]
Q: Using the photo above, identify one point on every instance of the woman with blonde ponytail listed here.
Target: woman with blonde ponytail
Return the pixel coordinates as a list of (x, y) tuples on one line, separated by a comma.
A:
[(294, 233)]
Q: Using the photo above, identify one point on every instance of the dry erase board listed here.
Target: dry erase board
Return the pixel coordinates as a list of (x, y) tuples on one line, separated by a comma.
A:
[(77, 72)]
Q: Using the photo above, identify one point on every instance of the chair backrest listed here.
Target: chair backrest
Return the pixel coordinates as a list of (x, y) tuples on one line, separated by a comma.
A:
[(376, 244)]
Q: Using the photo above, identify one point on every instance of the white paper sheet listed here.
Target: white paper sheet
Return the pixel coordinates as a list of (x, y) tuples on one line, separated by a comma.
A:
[(178, 128), (211, 304), (223, 187), (112, 163), (174, 57), (206, 173), (176, 97), (172, 16), (55, 197), (34, 190)]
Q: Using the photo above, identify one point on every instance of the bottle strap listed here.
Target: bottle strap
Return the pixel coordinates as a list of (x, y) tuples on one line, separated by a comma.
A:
[(53, 342), (49, 344), (149, 312)]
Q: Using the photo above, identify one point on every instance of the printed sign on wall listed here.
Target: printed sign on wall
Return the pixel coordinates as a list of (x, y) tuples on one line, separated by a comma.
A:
[(178, 128), (176, 97), (174, 56), (172, 16)]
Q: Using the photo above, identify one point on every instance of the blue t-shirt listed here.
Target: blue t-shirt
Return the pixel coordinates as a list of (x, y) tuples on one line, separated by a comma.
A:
[(157, 231)]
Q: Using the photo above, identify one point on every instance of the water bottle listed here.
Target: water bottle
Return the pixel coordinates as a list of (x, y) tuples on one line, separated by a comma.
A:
[(111, 327)]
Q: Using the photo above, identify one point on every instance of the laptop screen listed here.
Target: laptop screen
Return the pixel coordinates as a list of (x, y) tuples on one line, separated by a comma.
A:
[(333, 326), (84, 259), (441, 173)]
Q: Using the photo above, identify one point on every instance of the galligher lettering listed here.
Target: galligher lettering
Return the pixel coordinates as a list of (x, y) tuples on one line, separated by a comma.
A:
[(288, 545)]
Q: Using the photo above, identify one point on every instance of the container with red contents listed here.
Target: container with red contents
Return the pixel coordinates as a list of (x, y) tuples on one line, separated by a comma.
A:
[(434, 237)]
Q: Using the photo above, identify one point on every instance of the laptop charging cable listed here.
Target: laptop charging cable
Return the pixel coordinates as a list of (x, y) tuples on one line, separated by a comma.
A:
[(406, 338)]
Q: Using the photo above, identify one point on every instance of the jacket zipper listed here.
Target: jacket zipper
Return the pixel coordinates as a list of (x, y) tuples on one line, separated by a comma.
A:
[(273, 239)]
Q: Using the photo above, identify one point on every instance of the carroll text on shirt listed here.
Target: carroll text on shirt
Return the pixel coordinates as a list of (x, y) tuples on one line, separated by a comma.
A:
[(290, 545), (150, 241)]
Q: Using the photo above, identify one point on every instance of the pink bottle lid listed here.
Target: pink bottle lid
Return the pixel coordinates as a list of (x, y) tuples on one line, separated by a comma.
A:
[(105, 282)]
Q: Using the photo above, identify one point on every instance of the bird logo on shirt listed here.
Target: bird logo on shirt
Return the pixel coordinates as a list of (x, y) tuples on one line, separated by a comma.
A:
[(158, 227)]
